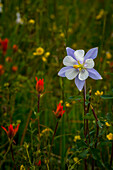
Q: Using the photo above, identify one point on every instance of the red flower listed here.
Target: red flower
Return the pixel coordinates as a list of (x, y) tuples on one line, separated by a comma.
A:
[(4, 44), (39, 85), (39, 163), (59, 111), (1, 69), (15, 48), (14, 68), (11, 132)]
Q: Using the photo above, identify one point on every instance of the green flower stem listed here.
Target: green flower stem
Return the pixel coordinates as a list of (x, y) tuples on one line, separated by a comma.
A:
[(53, 138), (28, 154), (4, 158), (111, 155), (85, 111), (38, 116)]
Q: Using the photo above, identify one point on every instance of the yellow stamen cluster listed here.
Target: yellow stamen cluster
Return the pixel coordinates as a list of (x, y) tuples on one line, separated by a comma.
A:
[(77, 138), (97, 93), (80, 66), (76, 160), (110, 136)]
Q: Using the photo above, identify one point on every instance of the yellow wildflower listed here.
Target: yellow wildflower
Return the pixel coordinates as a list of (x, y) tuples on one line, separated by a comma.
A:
[(34, 53), (73, 102), (77, 138), (52, 16), (47, 54), (31, 21), (61, 101), (76, 160), (97, 93), (67, 104), (110, 136), (108, 55), (39, 51), (44, 59), (62, 35), (100, 15), (45, 130), (107, 124), (22, 167)]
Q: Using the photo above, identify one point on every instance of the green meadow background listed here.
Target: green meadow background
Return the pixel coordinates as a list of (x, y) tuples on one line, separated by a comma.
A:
[(78, 24)]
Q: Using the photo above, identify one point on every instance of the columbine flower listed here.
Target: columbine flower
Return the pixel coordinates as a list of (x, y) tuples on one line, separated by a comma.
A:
[(11, 132), (79, 66), (59, 111), (19, 19), (39, 85)]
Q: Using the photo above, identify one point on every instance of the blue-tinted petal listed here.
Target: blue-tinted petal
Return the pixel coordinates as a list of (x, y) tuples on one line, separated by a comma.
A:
[(92, 53), (94, 74), (63, 70), (70, 52), (79, 83)]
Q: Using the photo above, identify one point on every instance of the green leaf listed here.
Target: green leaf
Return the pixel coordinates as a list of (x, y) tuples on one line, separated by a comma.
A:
[(99, 123), (106, 97), (84, 154)]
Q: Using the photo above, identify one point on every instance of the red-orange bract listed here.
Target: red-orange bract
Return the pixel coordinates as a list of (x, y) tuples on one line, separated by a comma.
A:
[(39, 85), (59, 111), (11, 132), (4, 45)]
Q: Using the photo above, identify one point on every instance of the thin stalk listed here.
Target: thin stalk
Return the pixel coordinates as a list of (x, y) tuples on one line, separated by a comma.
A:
[(93, 162), (87, 127), (25, 129), (13, 156), (53, 138), (6, 153), (111, 155), (38, 116), (85, 111)]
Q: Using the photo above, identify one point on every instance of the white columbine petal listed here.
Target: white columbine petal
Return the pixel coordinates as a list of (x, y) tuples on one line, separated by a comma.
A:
[(79, 55), (83, 75), (69, 61), (71, 73), (89, 63)]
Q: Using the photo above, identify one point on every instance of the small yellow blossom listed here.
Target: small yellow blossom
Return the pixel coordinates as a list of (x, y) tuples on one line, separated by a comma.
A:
[(45, 130), (31, 21), (107, 124), (39, 51), (76, 160), (100, 15), (68, 104), (44, 59), (108, 55), (62, 35), (22, 167), (52, 16), (73, 102), (61, 101), (110, 136), (70, 30), (47, 54), (97, 93), (77, 138), (34, 53), (74, 46)]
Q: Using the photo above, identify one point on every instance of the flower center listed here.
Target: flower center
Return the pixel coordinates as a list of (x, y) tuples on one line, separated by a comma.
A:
[(79, 66)]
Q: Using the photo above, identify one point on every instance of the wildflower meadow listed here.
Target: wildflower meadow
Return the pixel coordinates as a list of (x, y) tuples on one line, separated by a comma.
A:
[(56, 85)]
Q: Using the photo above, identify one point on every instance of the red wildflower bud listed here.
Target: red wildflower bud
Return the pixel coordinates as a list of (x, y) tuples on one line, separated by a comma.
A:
[(11, 132), (15, 48), (39, 85), (59, 111), (14, 68), (1, 69), (4, 44), (39, 163)]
